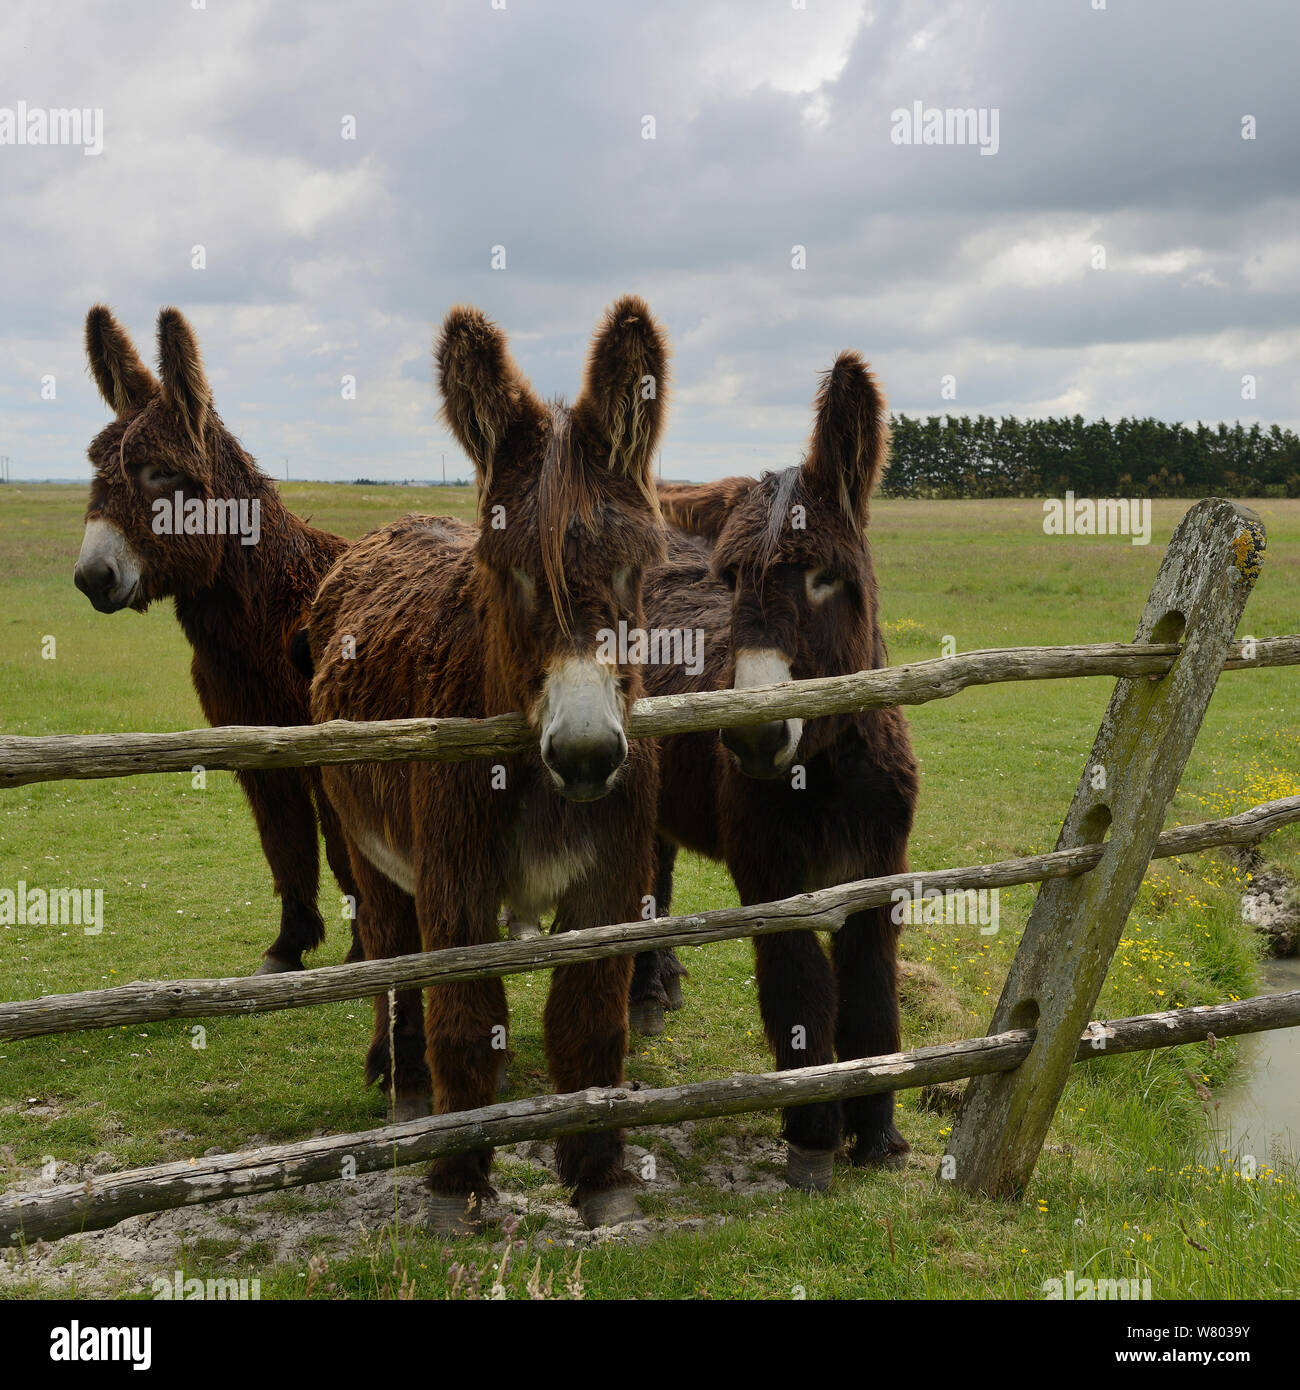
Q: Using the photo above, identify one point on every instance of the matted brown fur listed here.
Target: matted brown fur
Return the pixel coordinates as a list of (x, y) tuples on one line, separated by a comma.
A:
[(236, 603), (761, 549), (449, 619)]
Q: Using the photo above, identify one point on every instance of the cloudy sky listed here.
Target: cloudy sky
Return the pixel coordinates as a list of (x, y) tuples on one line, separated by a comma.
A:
[(521, 124)]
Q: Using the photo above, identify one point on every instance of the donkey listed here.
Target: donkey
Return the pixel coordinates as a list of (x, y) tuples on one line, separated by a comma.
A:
[(787, 591), (427, 617), (169, 481)]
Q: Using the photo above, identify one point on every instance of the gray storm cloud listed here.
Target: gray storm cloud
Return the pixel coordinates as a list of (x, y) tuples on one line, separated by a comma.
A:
[(228, 185)]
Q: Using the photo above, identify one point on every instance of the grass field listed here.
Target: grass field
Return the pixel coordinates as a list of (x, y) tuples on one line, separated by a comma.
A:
[(1119, 1191)]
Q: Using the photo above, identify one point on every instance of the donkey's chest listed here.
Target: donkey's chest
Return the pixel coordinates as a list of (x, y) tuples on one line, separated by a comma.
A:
[(391, 860), (534, 853), (543, 856)]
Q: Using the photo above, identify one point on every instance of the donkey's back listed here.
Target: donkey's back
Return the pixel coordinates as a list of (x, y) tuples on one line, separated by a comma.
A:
[(362, 618)]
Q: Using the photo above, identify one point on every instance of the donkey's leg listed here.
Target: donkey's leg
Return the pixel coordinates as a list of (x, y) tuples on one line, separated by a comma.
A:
[(865, 952), (388, 928), (868, 1026), (466, 1027), (286, 823), (796, 994), (585, 1026), (336, 854), (657, 975)]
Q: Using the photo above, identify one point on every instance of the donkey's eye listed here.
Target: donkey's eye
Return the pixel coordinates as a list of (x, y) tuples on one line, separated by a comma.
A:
[(154, 475), (820, 584), (626, 582), (524, 586)]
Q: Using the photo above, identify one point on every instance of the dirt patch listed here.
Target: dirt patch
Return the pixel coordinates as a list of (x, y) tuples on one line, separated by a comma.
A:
[(248, 1234), (41, 1107)]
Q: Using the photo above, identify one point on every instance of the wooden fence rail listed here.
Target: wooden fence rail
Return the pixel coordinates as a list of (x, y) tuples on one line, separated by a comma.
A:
[(150, 1001), (97, 1202), (58, 757)]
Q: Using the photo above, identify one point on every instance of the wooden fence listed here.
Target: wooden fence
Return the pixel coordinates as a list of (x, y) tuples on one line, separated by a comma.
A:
[(1041, 1027)]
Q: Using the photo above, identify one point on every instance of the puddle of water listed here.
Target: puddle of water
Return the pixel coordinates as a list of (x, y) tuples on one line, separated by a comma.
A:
[(1260, 1113)]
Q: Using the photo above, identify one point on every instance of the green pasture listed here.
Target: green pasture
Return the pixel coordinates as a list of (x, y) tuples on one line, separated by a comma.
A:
[(1120, 1191)]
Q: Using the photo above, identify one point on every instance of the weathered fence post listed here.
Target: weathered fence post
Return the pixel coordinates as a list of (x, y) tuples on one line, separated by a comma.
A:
[(1076, 923)]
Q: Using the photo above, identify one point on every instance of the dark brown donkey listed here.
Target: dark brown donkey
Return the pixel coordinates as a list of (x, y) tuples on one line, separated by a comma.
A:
[(429, 617), (788, 592), (174, 505)]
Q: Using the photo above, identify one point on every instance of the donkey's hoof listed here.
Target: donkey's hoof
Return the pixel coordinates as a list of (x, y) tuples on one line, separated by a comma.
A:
[(277, 965), (809, 1170), (523, 931), (888, 1151), (611, 1206), (406, 1108), (673, 989), (454, 1213), (646, 1016)]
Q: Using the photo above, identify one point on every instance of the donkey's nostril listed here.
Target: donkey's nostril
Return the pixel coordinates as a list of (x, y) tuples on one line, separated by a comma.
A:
[(94, 576), (759, 748), (97, 578), (584, 767), (760, 739)]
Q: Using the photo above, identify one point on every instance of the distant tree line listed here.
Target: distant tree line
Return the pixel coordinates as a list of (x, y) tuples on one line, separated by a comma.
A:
[(978, 456)]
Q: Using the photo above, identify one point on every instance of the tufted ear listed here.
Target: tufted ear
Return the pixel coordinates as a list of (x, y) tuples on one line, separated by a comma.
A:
[(703, 508), (624, 395), (483, 390), (180, 365), (123, 380), (850, 437)]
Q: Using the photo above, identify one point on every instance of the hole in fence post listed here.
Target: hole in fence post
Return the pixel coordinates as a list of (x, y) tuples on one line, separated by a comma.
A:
[(1168, 629), (1025, 1014), (1095, 825)]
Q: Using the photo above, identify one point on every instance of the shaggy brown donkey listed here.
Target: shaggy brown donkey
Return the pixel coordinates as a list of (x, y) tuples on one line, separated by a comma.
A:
[(788, 592), (428, 617), (151, 534)]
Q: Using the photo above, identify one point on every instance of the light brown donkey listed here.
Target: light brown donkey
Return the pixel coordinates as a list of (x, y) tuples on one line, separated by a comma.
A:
[(429, 617)]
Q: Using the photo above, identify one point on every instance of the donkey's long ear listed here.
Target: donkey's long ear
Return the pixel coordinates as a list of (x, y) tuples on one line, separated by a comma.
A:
[(185, 386), (624, 395), (123, 380), (483, 390), (702, 508), (850, 438)]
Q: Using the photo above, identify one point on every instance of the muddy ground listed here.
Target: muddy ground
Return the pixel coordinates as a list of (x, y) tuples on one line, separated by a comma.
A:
[(329, 1221)]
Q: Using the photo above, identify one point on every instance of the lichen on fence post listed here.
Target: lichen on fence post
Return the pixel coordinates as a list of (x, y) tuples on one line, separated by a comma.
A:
[(1131, 775)]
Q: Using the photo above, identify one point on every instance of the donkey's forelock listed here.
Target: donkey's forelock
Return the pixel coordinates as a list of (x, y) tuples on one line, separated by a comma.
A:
[(782, 487), (560, 496), (569, 491)]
